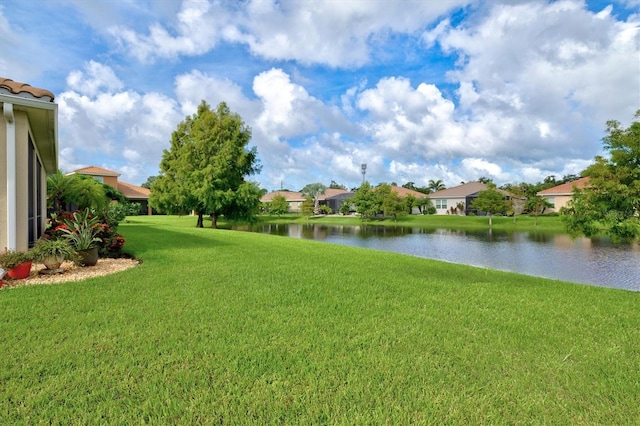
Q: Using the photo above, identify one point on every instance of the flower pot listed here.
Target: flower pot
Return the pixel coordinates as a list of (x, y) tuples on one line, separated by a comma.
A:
[(52, 262), (88, 257), (21, 271)]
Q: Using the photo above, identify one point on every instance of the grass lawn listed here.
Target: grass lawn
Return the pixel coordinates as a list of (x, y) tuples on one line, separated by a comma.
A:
[(223, 327)]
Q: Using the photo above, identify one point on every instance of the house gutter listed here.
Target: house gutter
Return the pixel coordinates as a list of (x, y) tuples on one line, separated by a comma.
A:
[(12, 240)]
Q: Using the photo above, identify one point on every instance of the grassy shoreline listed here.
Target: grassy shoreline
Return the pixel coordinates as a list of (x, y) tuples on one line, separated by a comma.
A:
[(524, 223), (218, 326)]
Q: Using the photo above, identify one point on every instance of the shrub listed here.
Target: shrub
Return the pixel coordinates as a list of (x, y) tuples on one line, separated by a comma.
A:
[(9, 259), (111, 243), (324, 209)]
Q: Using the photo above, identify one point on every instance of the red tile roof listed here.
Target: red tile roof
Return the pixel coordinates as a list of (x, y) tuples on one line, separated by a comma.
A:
[(95, 171), (132, 191), (565, 188), (21, 89)]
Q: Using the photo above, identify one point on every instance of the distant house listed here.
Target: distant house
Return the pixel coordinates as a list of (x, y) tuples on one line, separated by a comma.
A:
[(28, 153), (294, 199), (405, 192), (458, 200), (334, 197), (559, 196), (133, 193)]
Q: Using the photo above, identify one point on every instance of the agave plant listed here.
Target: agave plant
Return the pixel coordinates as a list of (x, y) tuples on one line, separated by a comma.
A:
[(82, 230)]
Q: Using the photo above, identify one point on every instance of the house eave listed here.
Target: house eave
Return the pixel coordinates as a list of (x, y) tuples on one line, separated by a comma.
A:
[(43, 119)]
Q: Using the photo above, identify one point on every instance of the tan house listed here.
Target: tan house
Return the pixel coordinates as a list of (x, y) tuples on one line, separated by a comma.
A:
[(294, 199), (133, 193), (559, 196), (458, 200), (28, 153)]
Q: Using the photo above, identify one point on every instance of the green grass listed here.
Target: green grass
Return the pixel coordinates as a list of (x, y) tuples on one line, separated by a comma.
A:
[(551, 224), (223, 327)]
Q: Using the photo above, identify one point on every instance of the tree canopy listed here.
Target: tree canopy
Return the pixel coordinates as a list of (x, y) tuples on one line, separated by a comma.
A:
[(279, 205), (366, 202), (205, 168), (314, 190), (610, 203), (491, 201), (79, 191)]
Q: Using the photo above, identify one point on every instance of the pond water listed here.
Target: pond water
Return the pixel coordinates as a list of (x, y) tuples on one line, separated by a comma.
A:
[(581, 260)]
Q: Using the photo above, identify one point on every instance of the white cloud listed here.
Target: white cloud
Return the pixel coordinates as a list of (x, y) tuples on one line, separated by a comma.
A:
[(411, 123), (196, 31), (558, 64), (95, 78), (287, 108), (338, 34), (193, 87), (123, 127)]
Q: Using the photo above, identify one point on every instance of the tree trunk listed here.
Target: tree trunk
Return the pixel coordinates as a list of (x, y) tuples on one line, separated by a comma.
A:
[(214, 221), (199, 224), (490, 223), (316, 207)]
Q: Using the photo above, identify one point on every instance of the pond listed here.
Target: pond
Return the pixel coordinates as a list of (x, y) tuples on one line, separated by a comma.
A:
[(582, 260)]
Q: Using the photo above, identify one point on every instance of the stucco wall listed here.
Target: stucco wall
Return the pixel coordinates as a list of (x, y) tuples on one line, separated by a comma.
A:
[(22, 131), (22, 179), (3, 182), (111, 181), (559, 202)]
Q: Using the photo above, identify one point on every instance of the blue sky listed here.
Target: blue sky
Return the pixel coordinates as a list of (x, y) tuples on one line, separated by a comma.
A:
[(418, 90)]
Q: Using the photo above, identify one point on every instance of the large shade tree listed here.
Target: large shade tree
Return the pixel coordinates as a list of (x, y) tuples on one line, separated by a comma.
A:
[(366, 202), (610, 203), (205, 168)]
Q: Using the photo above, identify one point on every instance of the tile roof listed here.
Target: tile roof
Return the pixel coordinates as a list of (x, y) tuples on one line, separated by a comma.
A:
[(288, 195), (460, 191), (331, 192), (132, 191), (565, 188), (95, 171), (24, 89), (403, 192)]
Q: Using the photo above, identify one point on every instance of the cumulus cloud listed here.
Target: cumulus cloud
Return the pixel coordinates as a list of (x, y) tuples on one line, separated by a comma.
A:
[(535, 74), (94, 79), (411, 123), (95, 116), (531, 87), (338, 34), (197, 30)]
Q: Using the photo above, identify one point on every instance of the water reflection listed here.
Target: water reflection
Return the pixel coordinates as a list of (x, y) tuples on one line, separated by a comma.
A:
[(581, 260)]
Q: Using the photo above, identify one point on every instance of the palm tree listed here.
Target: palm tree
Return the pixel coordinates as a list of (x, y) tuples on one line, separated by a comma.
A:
[(314, 190), (83, 191), (59, 190), (436, 185)]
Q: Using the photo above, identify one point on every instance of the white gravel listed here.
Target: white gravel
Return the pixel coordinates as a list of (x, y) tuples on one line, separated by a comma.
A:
[(72, 272)]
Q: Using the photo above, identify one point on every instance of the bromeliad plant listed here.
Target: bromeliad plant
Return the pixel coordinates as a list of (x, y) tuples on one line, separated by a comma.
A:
[(82, 230)]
